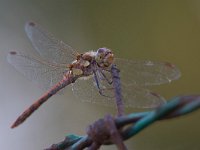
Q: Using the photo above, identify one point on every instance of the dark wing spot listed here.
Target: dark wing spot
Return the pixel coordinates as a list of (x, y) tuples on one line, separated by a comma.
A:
[(155, 94), (13, 52), (169, 65), (31, 24)]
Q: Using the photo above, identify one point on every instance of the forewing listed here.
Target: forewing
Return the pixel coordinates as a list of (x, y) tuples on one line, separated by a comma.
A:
[(47, 45), (45, 74), (146, 73)]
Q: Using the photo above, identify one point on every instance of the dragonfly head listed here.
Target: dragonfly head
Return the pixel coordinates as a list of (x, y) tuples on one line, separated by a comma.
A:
[(104, 57)]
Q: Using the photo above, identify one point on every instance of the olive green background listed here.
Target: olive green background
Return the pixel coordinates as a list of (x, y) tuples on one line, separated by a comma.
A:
[(167, 30)]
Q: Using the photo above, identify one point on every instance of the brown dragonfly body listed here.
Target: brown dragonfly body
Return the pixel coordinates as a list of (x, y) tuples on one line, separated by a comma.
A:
[(54, 68)]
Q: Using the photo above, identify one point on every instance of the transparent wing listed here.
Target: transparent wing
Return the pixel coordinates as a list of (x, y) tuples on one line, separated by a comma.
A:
[(86, 90), (45, 74), (47, 45), (133, 96), (146, 73), (138, 97)]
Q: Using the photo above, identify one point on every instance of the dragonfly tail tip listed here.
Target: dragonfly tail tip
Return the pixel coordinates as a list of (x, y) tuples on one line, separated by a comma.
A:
[(13, 126)]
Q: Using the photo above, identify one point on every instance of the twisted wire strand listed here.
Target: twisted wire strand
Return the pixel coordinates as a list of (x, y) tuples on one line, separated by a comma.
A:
[(176, 107)]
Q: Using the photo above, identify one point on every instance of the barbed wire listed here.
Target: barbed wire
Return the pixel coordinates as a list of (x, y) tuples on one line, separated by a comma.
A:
[(136, 122)]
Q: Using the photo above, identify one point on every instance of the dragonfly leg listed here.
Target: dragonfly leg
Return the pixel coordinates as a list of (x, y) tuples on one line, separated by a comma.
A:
[(98, 86), (97, 82), (105, 77)]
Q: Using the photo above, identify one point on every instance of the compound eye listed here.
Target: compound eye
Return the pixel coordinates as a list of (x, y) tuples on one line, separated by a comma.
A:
[(101, 50)]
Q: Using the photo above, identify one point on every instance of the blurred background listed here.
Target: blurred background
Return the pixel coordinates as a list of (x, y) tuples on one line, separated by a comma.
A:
[(136, 29)]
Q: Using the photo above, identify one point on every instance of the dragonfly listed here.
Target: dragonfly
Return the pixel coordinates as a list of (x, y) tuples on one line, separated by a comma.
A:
[(54, 65)]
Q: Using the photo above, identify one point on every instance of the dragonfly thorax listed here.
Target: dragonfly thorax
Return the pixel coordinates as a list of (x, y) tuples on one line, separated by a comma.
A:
[(85, 63)]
